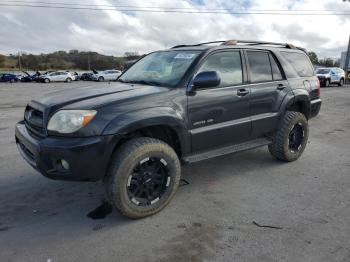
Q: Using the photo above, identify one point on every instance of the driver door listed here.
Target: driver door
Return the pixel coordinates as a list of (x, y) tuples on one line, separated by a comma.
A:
[(220, 116)]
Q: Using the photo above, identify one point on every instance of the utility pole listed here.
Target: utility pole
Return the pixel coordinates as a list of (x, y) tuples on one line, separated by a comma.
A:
[(89, 62), (347, 60), (19, 61)]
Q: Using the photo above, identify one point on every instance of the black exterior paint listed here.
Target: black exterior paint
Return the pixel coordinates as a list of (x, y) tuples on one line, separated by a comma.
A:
[(203, 119)]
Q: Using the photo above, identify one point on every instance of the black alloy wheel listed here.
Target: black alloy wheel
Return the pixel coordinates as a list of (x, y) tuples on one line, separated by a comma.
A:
[(296, 137), (148, 182)]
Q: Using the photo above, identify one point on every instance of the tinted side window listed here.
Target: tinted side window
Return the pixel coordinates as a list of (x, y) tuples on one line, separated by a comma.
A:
[(259, 64), (276, 72), (228, 65), (300, 63)]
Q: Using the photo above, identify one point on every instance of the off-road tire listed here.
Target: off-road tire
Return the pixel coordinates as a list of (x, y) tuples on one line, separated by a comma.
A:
[(279, 148), (122, 165)]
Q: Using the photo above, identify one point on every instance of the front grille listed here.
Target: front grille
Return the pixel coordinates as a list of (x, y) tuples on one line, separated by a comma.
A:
[(34, 121)]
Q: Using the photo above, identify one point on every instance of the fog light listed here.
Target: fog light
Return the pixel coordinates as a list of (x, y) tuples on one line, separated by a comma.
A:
[(65, 164)]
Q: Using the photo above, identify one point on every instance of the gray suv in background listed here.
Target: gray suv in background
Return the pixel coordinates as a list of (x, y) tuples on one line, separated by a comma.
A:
[(331, 75)]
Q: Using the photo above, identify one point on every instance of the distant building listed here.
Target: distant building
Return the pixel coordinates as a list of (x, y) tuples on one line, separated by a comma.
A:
[(342, 60)]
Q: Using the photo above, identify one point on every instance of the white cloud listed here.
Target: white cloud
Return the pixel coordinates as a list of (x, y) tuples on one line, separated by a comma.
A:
[(115, 32)]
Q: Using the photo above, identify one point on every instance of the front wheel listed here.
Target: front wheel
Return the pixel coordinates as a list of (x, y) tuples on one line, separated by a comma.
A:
[(68, 80), (143, 177), (291, 137), (101, 79), (46, 80), (327, 83)]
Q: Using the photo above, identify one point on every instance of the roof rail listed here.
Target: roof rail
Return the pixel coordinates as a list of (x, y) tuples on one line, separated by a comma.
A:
[(245, 42)]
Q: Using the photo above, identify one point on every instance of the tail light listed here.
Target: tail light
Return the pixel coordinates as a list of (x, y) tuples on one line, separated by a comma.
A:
[(318, 86)]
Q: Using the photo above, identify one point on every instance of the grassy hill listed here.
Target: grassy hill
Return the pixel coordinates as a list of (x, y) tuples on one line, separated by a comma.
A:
[(62, 60)]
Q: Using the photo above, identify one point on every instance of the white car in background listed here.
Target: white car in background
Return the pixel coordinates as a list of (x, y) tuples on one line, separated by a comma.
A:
[(57, 77), (331, 75), (107, 75)]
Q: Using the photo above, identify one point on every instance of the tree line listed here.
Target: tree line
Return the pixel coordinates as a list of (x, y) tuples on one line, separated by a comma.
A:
[(326, 62), (80, 60), (62, 60)]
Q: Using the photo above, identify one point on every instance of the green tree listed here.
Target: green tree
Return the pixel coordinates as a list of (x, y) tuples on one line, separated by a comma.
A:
[(327, 62), (313, 57)]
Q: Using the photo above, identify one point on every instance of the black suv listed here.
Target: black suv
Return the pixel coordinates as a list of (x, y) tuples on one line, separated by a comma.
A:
[(182, 105)]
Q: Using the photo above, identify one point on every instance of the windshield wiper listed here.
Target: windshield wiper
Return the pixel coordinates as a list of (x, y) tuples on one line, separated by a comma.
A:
[(143, 82)]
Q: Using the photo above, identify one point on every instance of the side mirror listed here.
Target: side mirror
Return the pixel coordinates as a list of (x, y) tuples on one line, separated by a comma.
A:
[(206, 79)]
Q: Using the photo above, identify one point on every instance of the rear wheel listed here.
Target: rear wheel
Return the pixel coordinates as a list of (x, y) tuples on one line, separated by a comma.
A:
[(341, 82), (101, 79), (143, 177), (291, 137), (46, 80), (68, 80), (12, 80)]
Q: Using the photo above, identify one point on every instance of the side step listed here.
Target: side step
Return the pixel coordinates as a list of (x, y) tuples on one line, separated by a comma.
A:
[(226, 150)]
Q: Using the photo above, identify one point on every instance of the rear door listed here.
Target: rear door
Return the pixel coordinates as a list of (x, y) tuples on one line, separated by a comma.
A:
[(268, 87), (219, 116)]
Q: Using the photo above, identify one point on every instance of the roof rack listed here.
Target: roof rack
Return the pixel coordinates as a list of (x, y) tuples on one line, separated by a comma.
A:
[(244, 42)]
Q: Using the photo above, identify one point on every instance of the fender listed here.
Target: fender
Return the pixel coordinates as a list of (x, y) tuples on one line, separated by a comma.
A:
[(296, 96), (166, 116)]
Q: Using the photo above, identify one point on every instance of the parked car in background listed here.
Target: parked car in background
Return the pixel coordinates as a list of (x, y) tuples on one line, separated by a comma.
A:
[(108, 75), (56, 77), (333, 75), (28, 77), (9, 78), (86, 76), (77, 77)]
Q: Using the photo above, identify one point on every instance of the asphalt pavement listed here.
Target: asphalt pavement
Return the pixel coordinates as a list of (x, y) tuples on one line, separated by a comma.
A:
[(240, 207)]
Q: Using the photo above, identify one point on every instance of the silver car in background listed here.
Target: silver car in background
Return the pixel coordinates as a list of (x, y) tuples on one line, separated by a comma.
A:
[(109, 75), (57, 77), (331, 75)]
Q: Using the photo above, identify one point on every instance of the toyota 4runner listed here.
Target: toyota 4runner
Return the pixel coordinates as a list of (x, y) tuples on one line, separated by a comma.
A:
[(182, 105)]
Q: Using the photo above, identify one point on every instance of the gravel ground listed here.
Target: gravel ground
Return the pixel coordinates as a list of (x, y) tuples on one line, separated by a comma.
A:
[(211, 219)]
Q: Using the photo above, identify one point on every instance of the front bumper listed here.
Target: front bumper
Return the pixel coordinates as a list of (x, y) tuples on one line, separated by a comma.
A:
[(315, 107), (88, 157)]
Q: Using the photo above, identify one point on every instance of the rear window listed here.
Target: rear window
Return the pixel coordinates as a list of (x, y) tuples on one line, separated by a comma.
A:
[(300, 63), (276, 72), (259, 64)]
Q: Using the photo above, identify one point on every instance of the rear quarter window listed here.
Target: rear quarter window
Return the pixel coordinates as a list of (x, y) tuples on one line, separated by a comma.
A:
[(300, 62)]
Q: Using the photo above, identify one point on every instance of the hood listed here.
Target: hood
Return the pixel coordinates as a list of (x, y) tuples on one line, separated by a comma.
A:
[(96, 95)]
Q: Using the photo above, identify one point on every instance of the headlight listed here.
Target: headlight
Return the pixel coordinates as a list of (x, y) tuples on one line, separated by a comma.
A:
[(69, 121)]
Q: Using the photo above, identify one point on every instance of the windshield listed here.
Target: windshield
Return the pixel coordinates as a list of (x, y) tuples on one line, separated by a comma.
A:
[(322, 71), (160, 68)]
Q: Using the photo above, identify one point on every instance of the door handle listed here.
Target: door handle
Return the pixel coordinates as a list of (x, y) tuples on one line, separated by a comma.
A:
[(281, 87), (242, 92)]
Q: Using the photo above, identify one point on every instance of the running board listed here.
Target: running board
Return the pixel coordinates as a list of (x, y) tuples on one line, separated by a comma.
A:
[(226, 150)]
